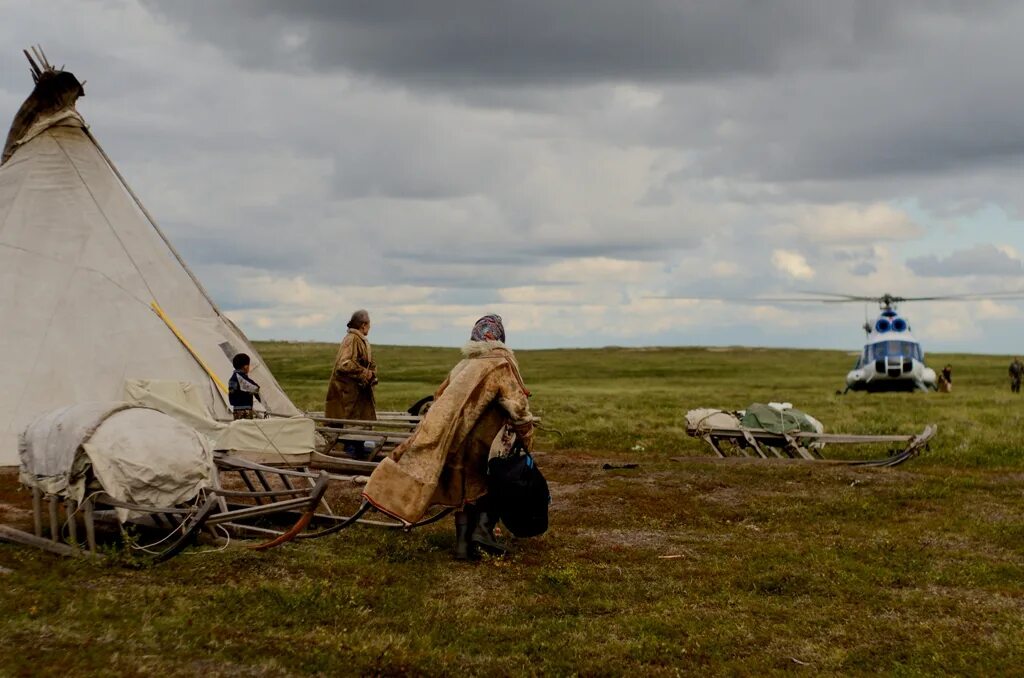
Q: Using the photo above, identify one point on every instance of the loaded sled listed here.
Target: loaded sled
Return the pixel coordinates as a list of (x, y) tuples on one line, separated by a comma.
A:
[(779, 432)]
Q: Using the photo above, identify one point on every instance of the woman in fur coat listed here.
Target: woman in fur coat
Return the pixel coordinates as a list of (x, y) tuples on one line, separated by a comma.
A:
[(445, 461), (350, 393)]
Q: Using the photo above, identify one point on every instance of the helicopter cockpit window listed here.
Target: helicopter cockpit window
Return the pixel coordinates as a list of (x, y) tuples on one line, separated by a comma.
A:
[(893, 349)]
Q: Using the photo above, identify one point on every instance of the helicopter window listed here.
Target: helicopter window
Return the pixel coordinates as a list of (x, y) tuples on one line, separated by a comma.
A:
[(892, 349)]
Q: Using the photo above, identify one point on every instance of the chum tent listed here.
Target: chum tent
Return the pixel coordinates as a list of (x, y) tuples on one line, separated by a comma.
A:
[(91, 292)]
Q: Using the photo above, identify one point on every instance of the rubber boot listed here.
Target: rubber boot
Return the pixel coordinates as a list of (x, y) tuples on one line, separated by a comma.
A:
[(464, 548), (482, 534)]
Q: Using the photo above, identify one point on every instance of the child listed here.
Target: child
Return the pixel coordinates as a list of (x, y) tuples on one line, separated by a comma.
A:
[(242, 389)]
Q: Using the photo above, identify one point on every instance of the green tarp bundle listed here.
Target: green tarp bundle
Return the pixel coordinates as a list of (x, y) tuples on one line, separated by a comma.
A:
[(759, 415)]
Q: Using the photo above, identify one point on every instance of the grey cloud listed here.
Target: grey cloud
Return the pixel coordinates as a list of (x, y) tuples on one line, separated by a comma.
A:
[(833, 99), (426, 144), (978, 260), (473, 42), (504, 257), (855, 255), (860, 261), (864, 268)]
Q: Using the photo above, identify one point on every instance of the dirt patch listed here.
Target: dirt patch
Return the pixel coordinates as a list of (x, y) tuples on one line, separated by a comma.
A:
[(15, 502)]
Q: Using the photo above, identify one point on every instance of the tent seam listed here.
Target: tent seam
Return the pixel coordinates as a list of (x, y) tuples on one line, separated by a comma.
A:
[(105, 218), (87, 269)]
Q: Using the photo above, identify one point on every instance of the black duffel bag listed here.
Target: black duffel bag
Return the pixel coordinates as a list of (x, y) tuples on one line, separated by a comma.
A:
[(519, 493)]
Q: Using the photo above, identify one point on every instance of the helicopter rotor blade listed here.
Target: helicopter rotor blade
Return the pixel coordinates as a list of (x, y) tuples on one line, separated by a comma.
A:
[(751, 300), (970, 296), (980, 296), (836, 298), (842, 297)]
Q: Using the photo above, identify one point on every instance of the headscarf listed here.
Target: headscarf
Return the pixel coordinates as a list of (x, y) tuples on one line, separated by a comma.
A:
[(488, 328)]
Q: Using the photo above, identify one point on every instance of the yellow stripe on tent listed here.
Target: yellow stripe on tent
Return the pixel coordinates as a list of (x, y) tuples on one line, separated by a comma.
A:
[(184, 342)]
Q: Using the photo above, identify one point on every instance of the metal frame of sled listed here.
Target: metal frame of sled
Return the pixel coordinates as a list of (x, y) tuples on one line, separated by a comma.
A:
[(759, 443)]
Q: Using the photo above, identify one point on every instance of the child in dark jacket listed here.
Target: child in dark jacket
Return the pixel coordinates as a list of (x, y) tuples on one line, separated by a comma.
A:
[(242, 389)]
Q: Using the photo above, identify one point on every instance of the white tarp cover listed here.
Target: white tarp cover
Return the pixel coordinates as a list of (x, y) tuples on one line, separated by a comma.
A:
[(80, 266), (291, 440), (706, 418), (136, 454)]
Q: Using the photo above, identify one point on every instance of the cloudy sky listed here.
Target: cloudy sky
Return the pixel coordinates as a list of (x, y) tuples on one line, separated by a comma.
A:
[(565, 162)]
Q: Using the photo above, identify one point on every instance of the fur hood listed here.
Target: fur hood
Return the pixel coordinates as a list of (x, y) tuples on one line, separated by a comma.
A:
[(477, 349)]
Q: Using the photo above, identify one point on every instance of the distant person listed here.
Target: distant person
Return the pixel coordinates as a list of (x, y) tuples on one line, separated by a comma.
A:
[(350, 393), (1016, 373), (444, 462), (242, 390), (946, 379)]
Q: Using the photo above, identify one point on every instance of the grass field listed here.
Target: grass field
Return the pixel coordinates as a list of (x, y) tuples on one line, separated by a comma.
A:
[(686, 564)]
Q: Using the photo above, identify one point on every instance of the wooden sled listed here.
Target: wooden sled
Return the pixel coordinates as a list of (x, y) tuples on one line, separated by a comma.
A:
[(271, 495), (320, 520), (759, 443), (386, 432)]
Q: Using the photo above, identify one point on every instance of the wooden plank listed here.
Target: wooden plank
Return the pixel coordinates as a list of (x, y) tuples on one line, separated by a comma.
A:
[(271, 493), (261, 510), (752, 442), (795, 447), (714, 446), (70, 510), (840, 438), (228, 463), (364, 434), (90, 525), (368, 424), (242, 527), (54, 525), (37, 511), (248, 483), (106, 499), (381, 414), (18, 537), (263, 480), (343, 464), (217, 486)]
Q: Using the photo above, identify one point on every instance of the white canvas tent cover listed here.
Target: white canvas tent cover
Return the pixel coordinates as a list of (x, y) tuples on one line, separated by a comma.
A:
[(137, 455), (82, 269), (264, 441)]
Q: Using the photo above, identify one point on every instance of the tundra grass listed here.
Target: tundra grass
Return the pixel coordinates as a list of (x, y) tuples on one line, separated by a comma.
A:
[(685, 564)]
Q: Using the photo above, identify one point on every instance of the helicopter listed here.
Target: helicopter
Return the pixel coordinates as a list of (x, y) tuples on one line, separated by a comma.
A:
[(892, 359)]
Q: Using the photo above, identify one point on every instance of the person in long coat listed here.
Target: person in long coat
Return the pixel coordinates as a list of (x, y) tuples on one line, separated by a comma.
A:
[(483, 402), (350, 393), (1016, 373)]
